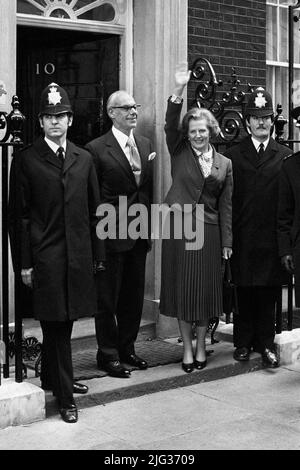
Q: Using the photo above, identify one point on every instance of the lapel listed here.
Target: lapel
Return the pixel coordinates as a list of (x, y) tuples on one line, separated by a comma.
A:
[(117, 153), (249, 152), (270, 152), (198, 172), (71, 156), (194, 167), (45, 152), (216, 163), (143, 151)]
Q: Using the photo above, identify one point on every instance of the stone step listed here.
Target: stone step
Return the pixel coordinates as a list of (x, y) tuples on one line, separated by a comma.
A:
[(107, 389)]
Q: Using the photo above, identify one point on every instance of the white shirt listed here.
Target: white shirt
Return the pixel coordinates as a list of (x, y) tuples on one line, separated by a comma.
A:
[(122, 140), (54, 146), (256, 143)]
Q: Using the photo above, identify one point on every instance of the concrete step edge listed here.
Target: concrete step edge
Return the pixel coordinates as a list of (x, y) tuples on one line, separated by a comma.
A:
[(147, 387)]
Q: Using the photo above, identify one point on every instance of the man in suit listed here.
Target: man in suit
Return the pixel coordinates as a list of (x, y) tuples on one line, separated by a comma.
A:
[(124, 168), (256, 265), (289, 215), (59, 247)]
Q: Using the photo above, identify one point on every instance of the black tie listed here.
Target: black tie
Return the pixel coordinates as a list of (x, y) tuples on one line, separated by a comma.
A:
[(60, 154), (261, 151)]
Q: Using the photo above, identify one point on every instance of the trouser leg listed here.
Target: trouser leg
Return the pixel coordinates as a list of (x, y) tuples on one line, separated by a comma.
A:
[(243, 323), (57, 348), (45, 371), (108, 286), (131, 299), (265, 317)]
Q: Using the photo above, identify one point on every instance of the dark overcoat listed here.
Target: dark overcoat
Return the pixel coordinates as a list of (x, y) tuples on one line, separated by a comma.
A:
[(255, 259), (289, 215), (58, 230)]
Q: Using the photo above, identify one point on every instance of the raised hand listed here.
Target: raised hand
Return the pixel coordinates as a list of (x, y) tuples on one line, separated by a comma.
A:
[(182, 77)]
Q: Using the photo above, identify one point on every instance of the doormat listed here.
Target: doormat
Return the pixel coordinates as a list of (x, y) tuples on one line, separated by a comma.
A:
[(155, 352)]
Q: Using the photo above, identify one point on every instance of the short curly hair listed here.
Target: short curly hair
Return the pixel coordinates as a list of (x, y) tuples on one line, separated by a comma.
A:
[(200, 113)]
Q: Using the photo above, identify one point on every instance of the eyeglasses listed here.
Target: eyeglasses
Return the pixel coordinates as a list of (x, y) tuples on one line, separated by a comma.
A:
[(128, 107)]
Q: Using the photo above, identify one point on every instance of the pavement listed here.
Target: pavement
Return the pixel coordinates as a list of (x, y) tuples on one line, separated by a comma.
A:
[(228, 405), (256, 411), (163, 356)]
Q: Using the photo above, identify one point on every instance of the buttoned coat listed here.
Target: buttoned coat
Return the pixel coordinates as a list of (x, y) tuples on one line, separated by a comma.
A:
[(116, 179), (58, 230), (289, 215), (255, 259), (188, 183)]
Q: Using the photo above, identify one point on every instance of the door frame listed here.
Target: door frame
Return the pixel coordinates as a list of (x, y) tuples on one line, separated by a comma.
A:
[(42, 58), (125, 32)]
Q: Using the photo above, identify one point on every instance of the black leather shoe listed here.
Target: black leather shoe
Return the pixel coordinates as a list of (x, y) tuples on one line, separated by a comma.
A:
[(115, 369), (80, 388), (69, 413), (241, 354), (135, 361), (200, 364), (269, 359), (187, 367)]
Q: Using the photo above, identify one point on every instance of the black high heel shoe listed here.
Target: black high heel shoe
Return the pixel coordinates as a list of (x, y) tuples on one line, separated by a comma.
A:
[(187, 367), (200, 364)]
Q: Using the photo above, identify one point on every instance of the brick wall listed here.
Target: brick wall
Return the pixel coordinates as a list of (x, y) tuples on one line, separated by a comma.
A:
[(229, 33)]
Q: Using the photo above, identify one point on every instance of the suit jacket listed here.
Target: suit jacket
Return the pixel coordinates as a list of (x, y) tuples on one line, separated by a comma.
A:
[(116, 179), (255, 259), (58, 222), (189, 185), (289, 215)]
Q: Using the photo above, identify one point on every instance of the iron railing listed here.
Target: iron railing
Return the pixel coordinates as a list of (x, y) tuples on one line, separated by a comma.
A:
[(11, 127)]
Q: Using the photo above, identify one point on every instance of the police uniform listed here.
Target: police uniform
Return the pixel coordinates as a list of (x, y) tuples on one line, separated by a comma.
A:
[(59, 244), (255, 263)]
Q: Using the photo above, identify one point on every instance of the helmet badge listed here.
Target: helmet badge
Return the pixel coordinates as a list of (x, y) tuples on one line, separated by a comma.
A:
[(54, 97), (260, 101)]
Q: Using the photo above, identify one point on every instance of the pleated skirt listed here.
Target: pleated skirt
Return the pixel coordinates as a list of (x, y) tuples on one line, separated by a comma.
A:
[(191, 281)]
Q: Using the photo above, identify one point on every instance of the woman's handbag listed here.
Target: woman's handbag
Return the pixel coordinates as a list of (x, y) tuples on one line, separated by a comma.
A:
[(230, 301)]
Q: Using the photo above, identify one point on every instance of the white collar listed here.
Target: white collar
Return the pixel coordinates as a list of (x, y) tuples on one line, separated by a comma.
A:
[(257, 143), (54, 147), (121, 137), (206, 155)]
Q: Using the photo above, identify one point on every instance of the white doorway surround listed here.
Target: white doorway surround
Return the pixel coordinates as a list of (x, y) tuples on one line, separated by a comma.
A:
[(160, 43), (115, 18)]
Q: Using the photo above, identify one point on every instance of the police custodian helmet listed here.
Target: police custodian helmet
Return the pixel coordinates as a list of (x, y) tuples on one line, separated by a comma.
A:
[(259, 104), (54, 100)]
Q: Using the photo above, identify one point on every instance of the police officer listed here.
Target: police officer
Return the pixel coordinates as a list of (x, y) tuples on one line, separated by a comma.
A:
[(59, 247), (256, 265), (289, 215)]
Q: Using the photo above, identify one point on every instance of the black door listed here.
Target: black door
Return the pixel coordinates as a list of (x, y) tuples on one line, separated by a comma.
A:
[(85, 64)]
